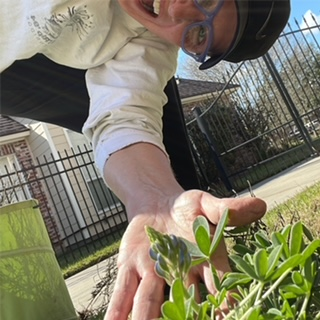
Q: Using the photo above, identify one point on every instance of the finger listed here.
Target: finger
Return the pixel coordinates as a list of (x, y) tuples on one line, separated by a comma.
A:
[(124, 290), (242, 211), (149, 298)]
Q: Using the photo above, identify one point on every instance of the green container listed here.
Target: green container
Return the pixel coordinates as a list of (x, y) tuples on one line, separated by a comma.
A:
[(31, 283)]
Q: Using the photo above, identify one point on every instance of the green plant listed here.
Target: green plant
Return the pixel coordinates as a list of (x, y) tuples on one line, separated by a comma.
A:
[(276, 276)]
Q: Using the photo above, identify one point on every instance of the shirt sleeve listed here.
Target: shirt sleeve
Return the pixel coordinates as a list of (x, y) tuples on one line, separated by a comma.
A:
[(127, 96)]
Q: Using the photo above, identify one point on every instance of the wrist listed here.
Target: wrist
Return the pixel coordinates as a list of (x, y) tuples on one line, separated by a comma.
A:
[(141, 177)]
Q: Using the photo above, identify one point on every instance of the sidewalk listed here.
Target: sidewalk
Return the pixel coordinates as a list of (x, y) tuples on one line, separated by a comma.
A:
[(81, 285), (287, 184), (274, 191)]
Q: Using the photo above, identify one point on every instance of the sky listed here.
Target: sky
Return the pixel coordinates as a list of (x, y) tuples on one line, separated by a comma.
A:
[(304, 8)]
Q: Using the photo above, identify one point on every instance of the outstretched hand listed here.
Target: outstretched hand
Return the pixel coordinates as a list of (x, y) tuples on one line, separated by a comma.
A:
[(138, 289)]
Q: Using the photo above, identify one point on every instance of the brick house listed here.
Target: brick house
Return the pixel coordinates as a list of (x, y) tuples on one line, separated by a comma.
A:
[(15, 154)]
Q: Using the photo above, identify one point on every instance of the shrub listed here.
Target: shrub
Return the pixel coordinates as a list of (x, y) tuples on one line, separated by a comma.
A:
[(274, 276)]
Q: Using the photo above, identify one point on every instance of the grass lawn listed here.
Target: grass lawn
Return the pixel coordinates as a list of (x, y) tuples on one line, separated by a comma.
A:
[(304, 207), (91, 260)]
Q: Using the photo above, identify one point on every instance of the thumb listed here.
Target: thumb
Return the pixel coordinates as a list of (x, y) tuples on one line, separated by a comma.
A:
[(242, 211)]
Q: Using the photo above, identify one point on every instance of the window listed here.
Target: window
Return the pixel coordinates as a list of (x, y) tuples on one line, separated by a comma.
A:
[(102, 196)]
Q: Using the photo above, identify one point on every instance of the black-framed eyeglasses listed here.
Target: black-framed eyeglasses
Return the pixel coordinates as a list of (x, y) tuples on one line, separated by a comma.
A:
[(198, 37)]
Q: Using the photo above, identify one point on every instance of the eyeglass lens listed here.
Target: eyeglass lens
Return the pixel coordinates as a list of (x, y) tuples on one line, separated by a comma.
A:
[(208, 5)]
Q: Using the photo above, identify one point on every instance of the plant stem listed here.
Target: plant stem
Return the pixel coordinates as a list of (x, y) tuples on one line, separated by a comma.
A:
[(244, 301), (257, 289), (259, 292), (256, 301), (304, 305), (275, 284)]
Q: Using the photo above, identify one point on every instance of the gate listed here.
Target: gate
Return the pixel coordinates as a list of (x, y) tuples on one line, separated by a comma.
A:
[(270, 122)]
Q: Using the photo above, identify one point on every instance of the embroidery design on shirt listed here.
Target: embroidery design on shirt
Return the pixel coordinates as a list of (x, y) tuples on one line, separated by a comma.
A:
[(49, 30)]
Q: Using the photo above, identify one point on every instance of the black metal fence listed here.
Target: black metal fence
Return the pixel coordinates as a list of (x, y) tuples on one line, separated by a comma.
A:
[(269, 122), (81, 214)]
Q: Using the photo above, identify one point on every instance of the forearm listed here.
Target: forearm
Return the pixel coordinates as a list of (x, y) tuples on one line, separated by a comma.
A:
[(141, 176)]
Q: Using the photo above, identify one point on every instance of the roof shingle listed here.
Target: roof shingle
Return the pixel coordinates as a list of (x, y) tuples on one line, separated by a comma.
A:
[(9, 126), (191, 88)]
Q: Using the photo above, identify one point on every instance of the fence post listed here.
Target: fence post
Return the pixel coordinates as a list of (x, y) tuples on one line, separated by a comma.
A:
[(203, 126)]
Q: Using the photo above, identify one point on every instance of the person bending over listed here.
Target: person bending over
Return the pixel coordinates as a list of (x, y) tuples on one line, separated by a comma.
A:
[(129, 49)]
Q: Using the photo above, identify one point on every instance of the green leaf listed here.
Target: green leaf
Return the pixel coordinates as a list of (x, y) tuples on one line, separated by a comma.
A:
[(237, 230), (234, 279), (203, 240), (222, 295), (290, 263), (171, 311), (274, 311), (243, 291), (242, 249), (236, 296), (296, 239), (189, 308), (192, 291), (287, 311), (198, 261), (273, 259), (286, 231), (212, 299), (202, 315), (178, 293), (309, 271), (288, 295), (219, 231), (254, 314), (193, 249), (260, 259), (262, 238), (307, 233), (203, 222), (248, 258), (292, 288), (272, 314), (311, 248), (297, 278), (278, 239), (244, 266)]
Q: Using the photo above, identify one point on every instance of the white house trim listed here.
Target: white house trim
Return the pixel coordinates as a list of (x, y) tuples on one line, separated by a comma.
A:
[(66, 182), (14, 137)]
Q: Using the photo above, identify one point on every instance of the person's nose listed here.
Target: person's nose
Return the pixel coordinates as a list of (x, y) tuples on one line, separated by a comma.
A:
[(185, 10)]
